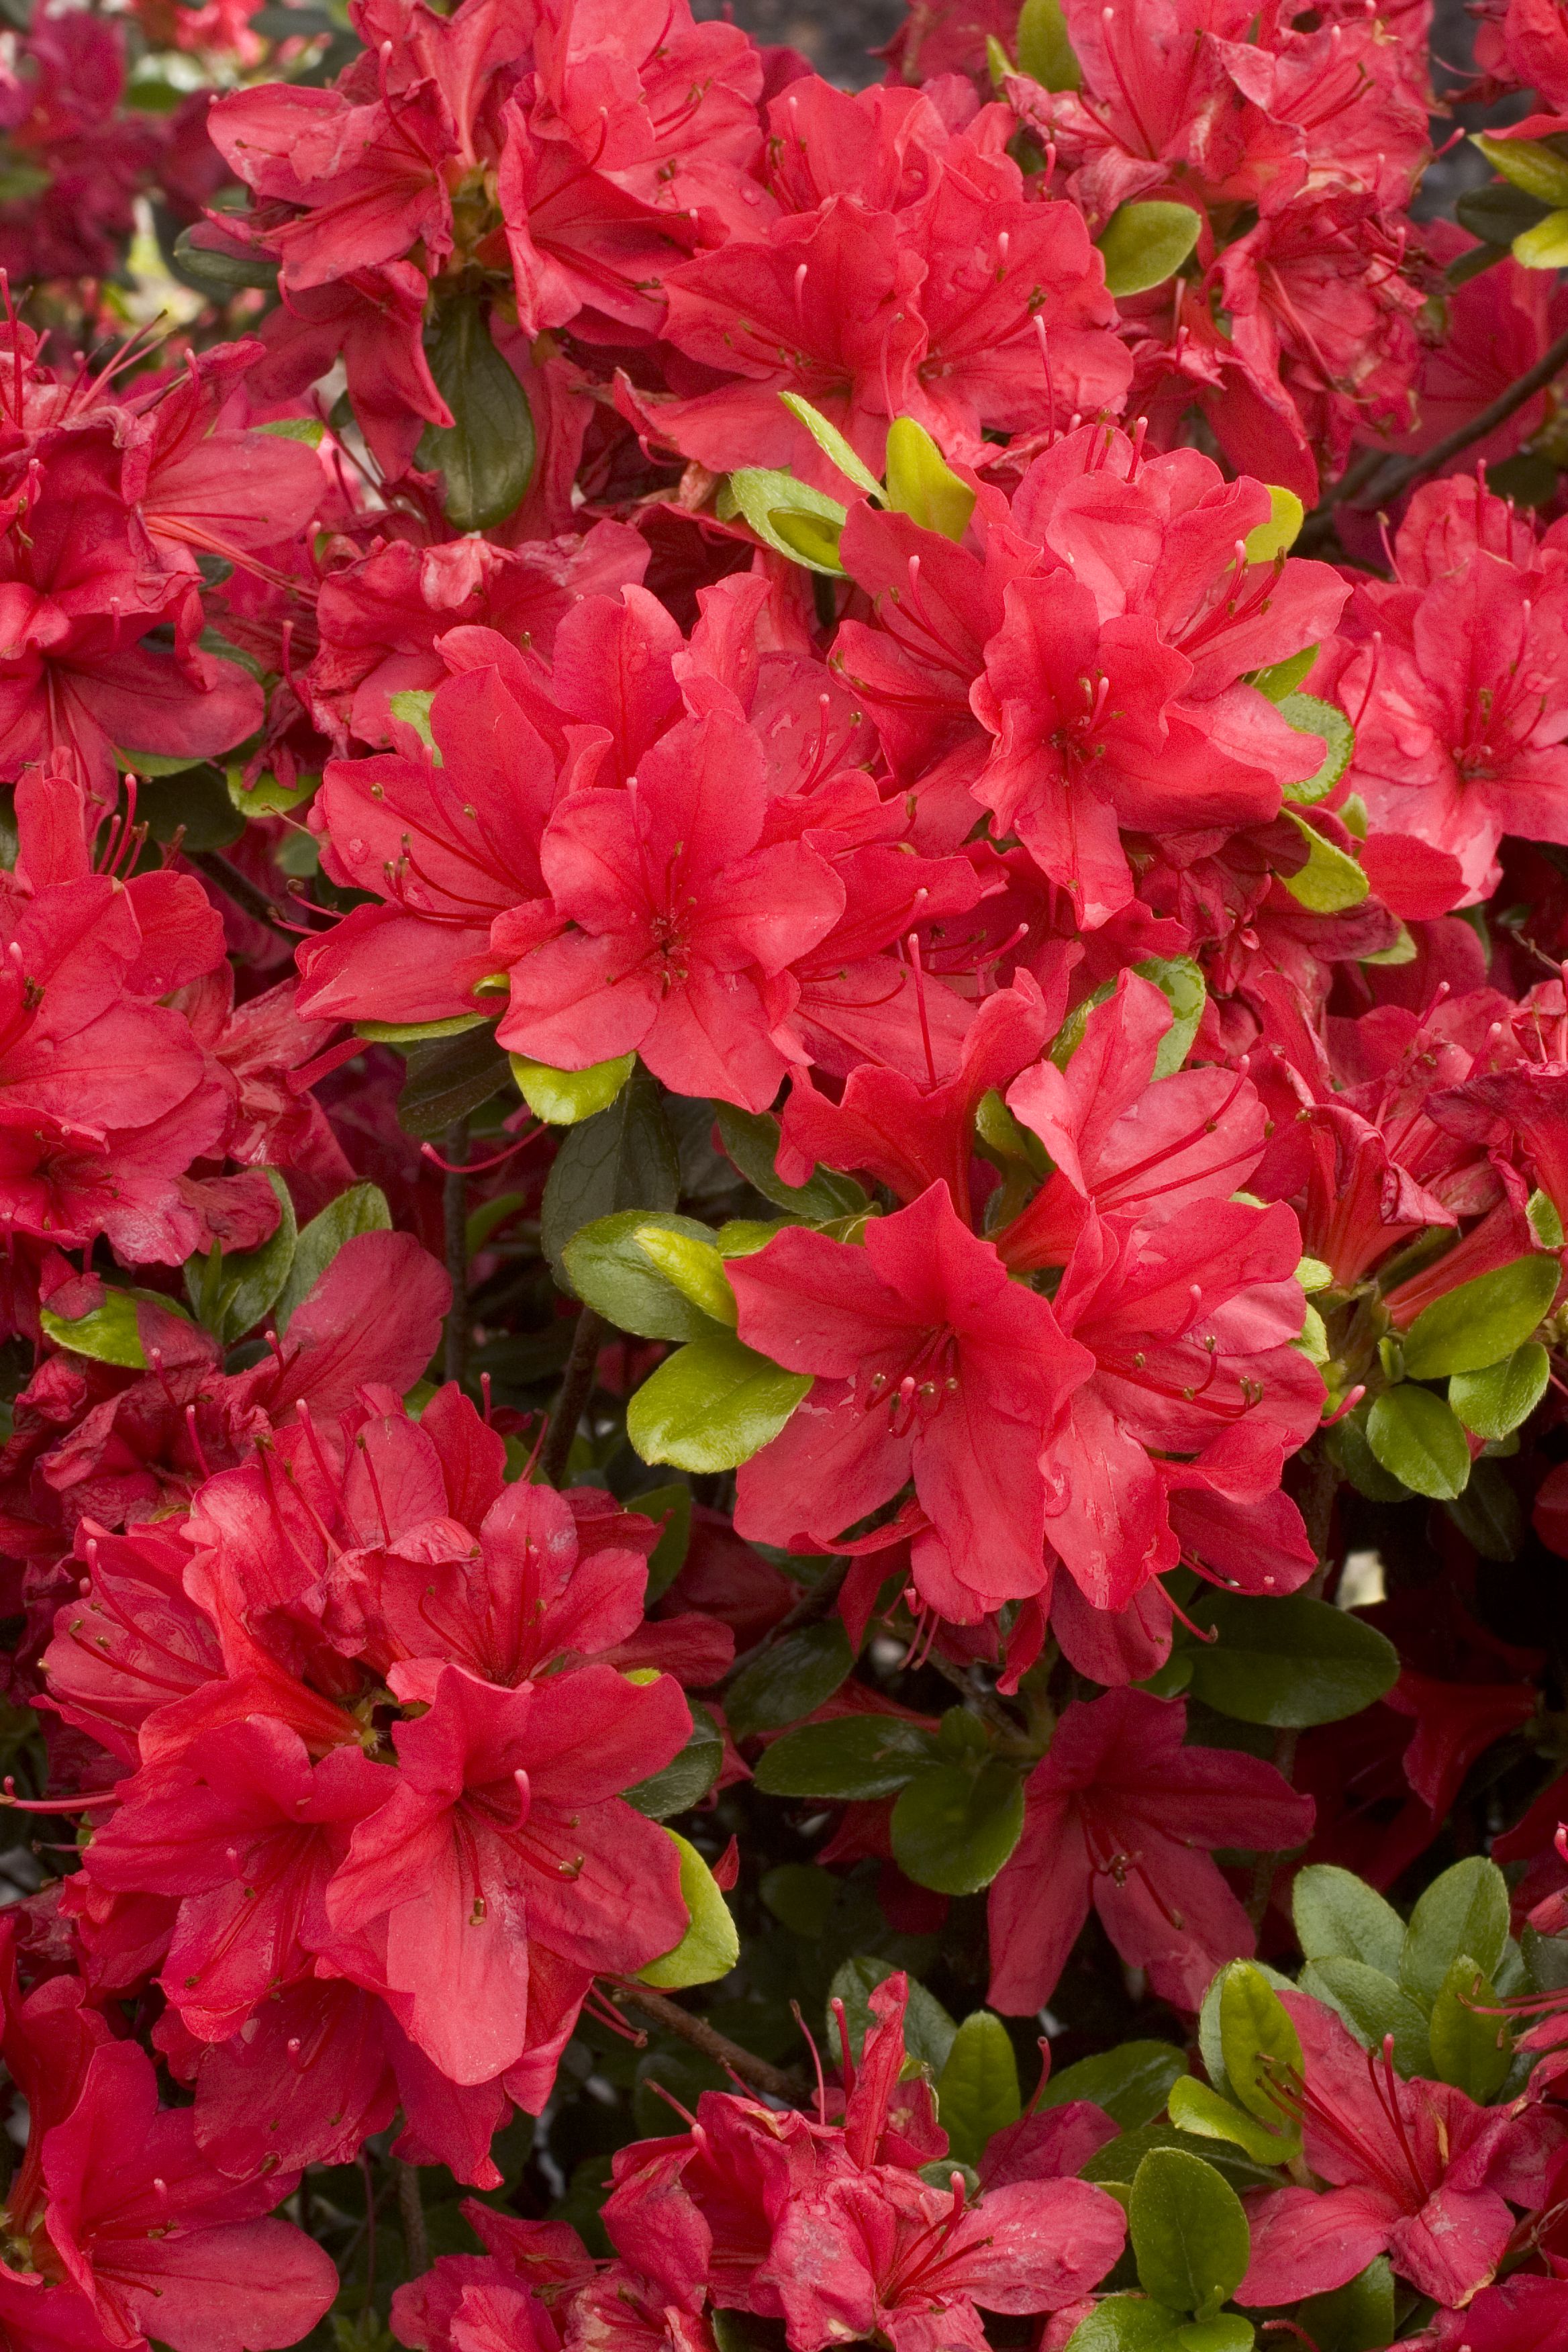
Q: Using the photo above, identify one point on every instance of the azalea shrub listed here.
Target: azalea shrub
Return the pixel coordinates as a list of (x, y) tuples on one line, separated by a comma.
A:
[(784, 1149)]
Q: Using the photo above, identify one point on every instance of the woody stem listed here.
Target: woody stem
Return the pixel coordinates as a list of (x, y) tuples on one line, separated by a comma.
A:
[(454, 1218), (1397, 479), (576, 1387), (776, 2081), (411, 2206)]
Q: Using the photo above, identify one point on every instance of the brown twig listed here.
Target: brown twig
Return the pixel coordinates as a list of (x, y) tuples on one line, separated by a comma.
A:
[(778, 2082), (411, 2208), (1392, 484), (576, 1387), (251, 900), (455, 1216)]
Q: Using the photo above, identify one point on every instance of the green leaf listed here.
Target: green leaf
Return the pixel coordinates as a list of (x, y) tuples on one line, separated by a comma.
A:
[(193, 802), (1131, 2083), (929, 2031), (1115, 2166), (1189, 2233), (751, 1140), (792, 1678), (1545, 1221), (1497, 214), (1281, 678), (564, 1098), (710, 1947), (764, 495), (859, 1756), (1338, 1916), (1545, 247), (1527, 163), (711, 1405), (1471, 2050), (1127, 2323), (1198, 2108), (1258, 2042), (244, 1287), (687, 1778), (977, 2089), (1312, 717), (623, 1157), (611, 1271), (671, 1506), (800, 1894), (1371, 2005), (1044, 51), (111, 1334), (1202, 2113), (1180, 982), (1488, 1514), (418, 1033), (833, 446), (363, 1209), (922, 485), (1268, 540), (1418, 1440), (486, 455), (450, 1078), (1348, 1445), (222, 270), (308, 429), (1143, 243), (1465, 1910), (1290, 1662), (411, 706), (694, 1270), (1331, 880), (1354, 2318), (953, 1828), (1229, 2332), (266, 796), (1478, 1325), (1500, 1400)]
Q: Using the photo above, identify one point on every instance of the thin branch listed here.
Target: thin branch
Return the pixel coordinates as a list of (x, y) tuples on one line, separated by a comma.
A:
[(226, 875), (455, 1216), (576, 1387), (411, 2206), (1398, 479), (777, 2082)]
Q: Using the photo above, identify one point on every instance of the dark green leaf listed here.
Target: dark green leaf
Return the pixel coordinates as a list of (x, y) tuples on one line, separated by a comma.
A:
[(360, 1210), (670, 1509), (486, 455), (1371, 2005), (751, 1140), (929, 2031), (977, 2089), (1131, 2083), (1482, 1321), (623, 1157), (712, 1404), (1189, 2233), (1348, 1445), (801, 1896), (1116, 2163), (953, 1827), (790, 1679), (1290, 1662), (1488, 1514), (609, 1271), (687, 1778), (1472, 2044), (1465, 1910), (1417, 1439), (1354, 2318), (1495, 1402), (221, 270), (1339, 1917), (448, 1079), (859, 1756), (1128, 2323), (194, 803), (232, 1295), (1499, 213)]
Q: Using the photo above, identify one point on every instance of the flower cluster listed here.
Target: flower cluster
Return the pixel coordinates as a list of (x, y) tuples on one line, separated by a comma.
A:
[(784, 1150)]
